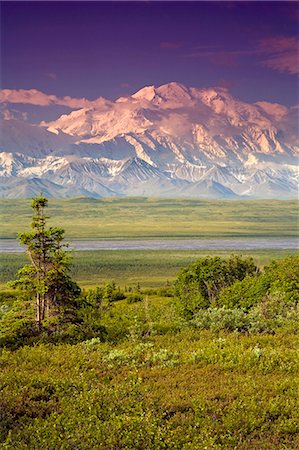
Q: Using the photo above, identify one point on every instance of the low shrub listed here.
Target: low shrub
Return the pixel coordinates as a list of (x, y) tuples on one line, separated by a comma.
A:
[(134, 298), (164, 358), (165, 291), (8, 297), (217, 319), (18, 332), (117, 295)]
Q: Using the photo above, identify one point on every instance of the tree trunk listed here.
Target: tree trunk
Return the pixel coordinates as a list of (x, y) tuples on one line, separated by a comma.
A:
[(48, 308), (38, 310), (43, 307)]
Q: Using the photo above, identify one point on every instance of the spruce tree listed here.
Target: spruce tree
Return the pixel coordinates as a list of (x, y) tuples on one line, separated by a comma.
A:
[(47, 276)]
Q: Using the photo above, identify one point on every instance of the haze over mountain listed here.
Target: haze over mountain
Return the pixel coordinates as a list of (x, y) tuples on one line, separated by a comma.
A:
[(168, 141)]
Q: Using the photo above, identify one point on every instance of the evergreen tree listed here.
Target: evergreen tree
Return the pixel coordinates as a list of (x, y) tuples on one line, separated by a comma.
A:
[(47, 277)]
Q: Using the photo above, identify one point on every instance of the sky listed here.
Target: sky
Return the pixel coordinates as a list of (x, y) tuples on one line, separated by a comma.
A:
[(85, 50)]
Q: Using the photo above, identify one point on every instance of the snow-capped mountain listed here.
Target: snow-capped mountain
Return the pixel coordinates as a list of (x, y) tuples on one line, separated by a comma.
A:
[(166, 141)]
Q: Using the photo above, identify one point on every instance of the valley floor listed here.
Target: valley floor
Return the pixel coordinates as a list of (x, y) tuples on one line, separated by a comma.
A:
[(149, 268), (158, 381), (153, 218)]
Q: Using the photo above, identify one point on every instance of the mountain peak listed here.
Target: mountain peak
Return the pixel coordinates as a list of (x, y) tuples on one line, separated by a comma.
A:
[(146, 93), (175, 94), (165, 140), (172, 91), (173, 87)]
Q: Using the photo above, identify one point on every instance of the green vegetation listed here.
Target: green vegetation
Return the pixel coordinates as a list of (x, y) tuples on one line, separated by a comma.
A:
[(159, 384), (47, 275), (200, 285), (151, 218), (149, 379), (151, 268), (129, 369), (50, 306)]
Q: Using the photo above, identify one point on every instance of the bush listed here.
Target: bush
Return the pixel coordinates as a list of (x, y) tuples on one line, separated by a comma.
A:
[(18, 332), (223, 319), (8, 297), (280, 278), (165, 291), (283, 276), (112, 294), (134, 298), (117, 295), (94, 296), (199, 285), (17, 327), (245, 293), (164, 358)]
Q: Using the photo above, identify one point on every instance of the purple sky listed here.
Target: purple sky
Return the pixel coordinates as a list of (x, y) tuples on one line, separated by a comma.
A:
[(109, 49)]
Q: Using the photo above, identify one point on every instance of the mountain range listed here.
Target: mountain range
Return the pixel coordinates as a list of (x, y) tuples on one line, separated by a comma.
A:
[(167, 141)]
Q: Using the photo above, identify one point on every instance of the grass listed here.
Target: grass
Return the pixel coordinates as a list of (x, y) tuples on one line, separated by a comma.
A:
[(157, 218), (151, 268), (157, 383), (177, 389)]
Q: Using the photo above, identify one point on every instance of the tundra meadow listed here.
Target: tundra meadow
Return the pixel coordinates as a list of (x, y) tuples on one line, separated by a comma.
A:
[(149, 349)]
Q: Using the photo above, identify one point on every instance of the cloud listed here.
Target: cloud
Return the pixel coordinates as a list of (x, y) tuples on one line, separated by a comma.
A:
[(279, 53), (219, 57), (226, 84), (9, 114), (52, 75), (273, 109), (170, 45), (125, 85), (227, 59), (38, 98), (282, 54)]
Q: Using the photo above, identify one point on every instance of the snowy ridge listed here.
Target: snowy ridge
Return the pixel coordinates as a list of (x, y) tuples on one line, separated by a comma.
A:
[(166, 141)]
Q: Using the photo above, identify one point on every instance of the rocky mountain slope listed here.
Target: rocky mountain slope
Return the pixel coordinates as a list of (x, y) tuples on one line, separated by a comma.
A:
[(168, 141)]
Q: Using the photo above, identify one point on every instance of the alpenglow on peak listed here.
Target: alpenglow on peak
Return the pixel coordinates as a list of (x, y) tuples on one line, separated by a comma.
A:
[(176, 140)]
